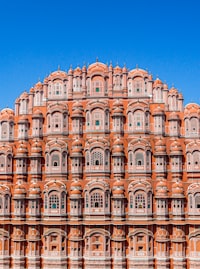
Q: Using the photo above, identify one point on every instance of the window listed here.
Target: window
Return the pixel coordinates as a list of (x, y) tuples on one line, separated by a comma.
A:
[(139, 201), (96, 200), (55, 160), (197, 200), (97, 158), (97, 122), (139, 159), (97, 89), (54, 202)]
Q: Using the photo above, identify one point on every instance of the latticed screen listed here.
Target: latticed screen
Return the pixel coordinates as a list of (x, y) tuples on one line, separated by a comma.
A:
[(97, 158), (139, 201), (96, 200), (54, 202)]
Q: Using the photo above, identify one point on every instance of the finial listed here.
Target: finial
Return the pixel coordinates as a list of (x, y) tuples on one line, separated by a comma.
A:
[(58, 67), (136, 66), (97, 59)]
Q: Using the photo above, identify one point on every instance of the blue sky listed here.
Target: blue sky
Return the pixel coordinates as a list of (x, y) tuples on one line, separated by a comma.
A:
[(162, 36)]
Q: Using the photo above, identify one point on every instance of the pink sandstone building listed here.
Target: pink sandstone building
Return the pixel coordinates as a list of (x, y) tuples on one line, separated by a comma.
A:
[(100, 169)]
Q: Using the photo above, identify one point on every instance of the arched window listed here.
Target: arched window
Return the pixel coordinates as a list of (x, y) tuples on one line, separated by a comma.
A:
[(130, 121), (139, 159), (117, 83), (4, 130), (56, 121), (141, 243), (130, 158), (1, 203), (53, 201), (98, 119), (194, 126), (187, 127), (54, 243), (138, 118), (194, 199), (77, 84), (138, 86), (97, 86), (96, 200), (197, 200), (57, 89), (4, 204), (140, 201), (97, 245), (23, 107), (2, 163), (97, 158), (55, 160)]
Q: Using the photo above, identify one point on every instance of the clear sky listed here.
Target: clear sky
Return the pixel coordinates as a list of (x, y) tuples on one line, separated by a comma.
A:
[(37, 36)]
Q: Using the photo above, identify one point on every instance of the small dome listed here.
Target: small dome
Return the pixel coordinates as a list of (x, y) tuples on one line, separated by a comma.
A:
[(118, 192), (76, 184), (160, 147), (118, 110), (118, 142), (180, 96), (7, 114), (76, 148), (19, 190), (118, 188), (23, 119), (161, 189), (22, 148), (118, 147), (36, 147), (34, 189), (161, 184), (173, 91), (77, 71), (174, 116), (38, 85), (77, 110), (75, 192), (177, 189), (77, 104), (75, 188), (117, 103), (117, 70), (158, 111), (37, 113), (157, 82), (24, 95), (58, 74), (77, 143), (175, 148), (77, 113), (118, 184)]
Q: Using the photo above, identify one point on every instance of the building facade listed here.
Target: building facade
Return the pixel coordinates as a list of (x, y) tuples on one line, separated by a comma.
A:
[(100, 169)]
